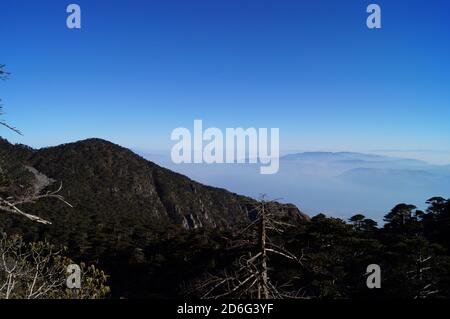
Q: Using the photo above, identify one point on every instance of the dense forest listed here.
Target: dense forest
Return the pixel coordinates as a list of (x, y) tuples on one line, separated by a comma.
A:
[(412, 249)]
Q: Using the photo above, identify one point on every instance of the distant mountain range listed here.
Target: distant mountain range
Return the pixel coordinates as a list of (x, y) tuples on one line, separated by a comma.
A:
[(337, 183)]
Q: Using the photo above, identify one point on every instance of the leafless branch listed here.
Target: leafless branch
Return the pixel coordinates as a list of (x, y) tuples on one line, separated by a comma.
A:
[(11, 204), (250, 274)]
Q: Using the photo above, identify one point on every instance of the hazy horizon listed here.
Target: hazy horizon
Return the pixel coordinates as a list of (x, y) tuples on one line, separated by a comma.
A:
[(339, 184)]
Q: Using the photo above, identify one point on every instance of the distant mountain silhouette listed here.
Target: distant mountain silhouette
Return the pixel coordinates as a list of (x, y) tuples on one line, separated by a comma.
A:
[(353, 158)]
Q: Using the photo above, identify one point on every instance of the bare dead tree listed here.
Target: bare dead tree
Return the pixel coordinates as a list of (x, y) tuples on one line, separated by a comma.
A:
[(249, 276), (426, 286), (4, 76), (11, 204), (3, 123), (28, 271), (39, 271)]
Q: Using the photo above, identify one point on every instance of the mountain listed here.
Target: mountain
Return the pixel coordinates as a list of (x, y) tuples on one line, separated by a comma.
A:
[(149, 228), (107, 181), (333, 156), (352, 158), (137, 220)]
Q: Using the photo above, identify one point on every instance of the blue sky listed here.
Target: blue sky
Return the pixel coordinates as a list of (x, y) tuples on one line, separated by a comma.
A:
[(138, 69)]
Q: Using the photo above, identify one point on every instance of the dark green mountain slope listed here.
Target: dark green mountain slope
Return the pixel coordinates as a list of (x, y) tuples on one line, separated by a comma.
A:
[(108, 180)]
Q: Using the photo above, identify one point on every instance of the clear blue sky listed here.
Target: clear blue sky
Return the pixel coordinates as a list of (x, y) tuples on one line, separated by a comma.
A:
[(138, 69)]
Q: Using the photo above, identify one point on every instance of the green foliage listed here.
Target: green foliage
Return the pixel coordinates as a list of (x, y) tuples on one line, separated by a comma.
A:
[(38, 270), (413, 255), (93, 284)]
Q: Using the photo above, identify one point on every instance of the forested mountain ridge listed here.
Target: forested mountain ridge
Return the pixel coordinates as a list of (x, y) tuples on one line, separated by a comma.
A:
[(105, 179), (129, 216)]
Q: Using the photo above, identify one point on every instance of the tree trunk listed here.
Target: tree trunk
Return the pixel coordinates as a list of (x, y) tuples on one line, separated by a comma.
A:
[(263, 292)]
